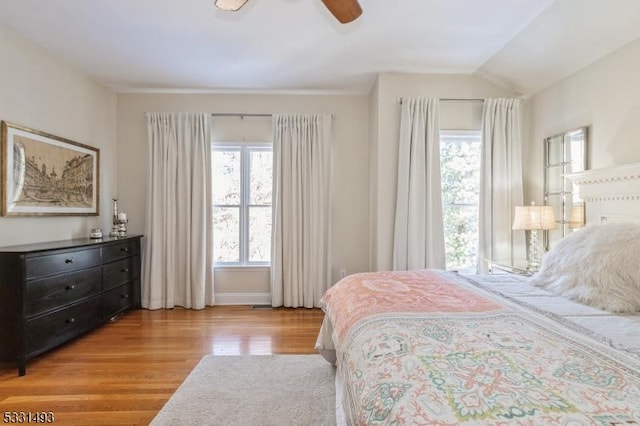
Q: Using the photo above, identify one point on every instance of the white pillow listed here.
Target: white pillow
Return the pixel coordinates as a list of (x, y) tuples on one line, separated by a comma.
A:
[(598, 265)]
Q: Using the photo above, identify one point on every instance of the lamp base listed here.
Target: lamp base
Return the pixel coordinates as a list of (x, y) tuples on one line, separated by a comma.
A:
[(533, 261)]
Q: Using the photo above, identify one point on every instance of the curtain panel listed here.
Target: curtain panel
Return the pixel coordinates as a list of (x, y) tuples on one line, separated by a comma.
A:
[(500, 182), (300, 266), (418, 239), (177, 268)]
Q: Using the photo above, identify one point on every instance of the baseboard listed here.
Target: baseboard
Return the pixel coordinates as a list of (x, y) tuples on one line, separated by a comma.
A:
[(243, 299)]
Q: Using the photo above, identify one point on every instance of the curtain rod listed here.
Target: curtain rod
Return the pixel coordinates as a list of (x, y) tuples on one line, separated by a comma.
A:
[(238, 114), (242, 114), (461, 100), (453, 100)]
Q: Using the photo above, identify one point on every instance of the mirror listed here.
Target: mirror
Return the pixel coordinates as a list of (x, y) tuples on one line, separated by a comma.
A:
[(564, 153)]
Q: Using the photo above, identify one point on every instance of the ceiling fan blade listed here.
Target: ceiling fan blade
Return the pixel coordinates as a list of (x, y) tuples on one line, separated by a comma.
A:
[(231, 5), (345, 11)]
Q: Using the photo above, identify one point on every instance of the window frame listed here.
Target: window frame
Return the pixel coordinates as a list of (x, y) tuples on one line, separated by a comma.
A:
[(245, 149)]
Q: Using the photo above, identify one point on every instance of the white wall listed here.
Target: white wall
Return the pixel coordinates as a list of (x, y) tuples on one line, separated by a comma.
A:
[(605, 96), (454, 115), (43, 93), (349, 156)]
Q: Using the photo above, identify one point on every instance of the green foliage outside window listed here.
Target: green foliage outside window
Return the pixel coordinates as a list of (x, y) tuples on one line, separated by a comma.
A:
[(460, 155)]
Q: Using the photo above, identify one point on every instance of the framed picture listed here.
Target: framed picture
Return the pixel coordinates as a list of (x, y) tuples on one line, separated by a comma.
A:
[(46, 175)]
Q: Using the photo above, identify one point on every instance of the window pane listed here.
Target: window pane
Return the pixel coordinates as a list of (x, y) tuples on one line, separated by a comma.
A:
[(460, 236), (460, 171), (259, 234), (226, 177), (555, 178), (554, 145), (260, 177), (226, 234)]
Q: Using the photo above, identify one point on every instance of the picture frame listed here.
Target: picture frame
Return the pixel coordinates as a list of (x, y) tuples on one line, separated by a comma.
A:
[(46, 175)]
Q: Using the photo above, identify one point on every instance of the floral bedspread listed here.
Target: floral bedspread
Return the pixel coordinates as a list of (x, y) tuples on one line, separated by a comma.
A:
[(425, 347)]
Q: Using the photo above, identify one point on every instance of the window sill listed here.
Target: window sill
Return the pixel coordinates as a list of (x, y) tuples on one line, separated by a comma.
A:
[(242, 268)]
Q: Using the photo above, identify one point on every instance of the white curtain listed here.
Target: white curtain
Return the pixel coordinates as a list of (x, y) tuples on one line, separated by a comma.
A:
[(418, 240), (500, 182), (301, 208), (177, 266)]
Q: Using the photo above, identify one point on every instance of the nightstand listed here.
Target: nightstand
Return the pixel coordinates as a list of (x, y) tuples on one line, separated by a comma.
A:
[(512, 266)]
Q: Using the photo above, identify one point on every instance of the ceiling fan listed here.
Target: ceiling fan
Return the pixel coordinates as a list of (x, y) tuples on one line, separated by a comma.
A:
[(345, 11)]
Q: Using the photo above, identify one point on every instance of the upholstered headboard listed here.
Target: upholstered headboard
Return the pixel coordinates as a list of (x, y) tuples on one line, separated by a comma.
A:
[(610, 194)]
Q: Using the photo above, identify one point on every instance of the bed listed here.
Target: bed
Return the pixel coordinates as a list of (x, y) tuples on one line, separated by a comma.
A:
[(441, 348)]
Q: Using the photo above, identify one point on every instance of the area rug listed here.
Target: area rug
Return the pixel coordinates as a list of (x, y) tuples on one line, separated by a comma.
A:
[(254, 390)]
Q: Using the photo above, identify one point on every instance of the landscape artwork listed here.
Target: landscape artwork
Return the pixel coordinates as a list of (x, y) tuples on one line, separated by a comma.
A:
[(45, 175)]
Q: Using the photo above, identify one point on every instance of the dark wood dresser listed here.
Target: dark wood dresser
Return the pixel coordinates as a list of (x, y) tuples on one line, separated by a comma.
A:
[(52, 292)]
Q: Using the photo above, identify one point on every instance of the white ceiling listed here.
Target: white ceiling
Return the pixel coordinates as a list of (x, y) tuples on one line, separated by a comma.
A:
[(296, 45)]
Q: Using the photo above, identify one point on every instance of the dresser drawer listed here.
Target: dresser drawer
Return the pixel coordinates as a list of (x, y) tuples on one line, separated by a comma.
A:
[(118, 299), (49, 293), (41, 266), (119, 272), (119, 251), (50, 330)]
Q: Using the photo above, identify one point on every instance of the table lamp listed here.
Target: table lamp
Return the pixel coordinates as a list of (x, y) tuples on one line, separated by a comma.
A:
[(533, 218)]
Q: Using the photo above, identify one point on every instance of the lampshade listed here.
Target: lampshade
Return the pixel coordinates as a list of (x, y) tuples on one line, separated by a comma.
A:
[(534, 217), (577, 217), (231, 5)]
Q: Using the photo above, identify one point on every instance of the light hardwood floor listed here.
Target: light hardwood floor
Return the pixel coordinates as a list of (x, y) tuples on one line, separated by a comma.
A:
[(124, 372)]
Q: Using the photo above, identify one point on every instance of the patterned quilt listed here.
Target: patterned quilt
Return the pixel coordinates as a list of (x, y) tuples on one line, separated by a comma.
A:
[(426, 347)]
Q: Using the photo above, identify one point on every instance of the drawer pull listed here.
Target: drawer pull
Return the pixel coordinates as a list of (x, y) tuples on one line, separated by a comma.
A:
[(71, 287), (124, 270), (71, 320), (125, 249), (68, 261), (125, 296)]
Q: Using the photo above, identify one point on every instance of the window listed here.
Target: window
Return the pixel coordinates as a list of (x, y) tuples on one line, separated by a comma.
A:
[(242, 176), (460, 153)]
